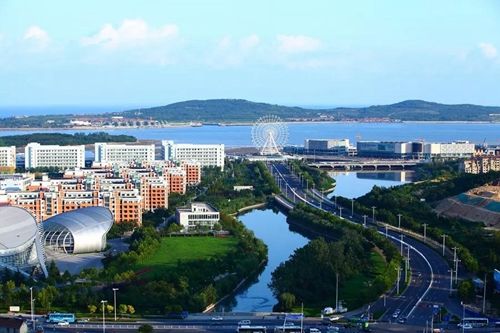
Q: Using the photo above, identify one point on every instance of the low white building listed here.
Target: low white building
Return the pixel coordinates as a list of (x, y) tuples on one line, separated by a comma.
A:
[(456, 149), (37, 155), (123, 153), (205, 154), (197, 214), (8, 157)]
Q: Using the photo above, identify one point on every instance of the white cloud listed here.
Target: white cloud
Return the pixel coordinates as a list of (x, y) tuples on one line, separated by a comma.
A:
[(298, 44), (37, 36), (249, 42), (131, 33), (230, 52), (489, 50)]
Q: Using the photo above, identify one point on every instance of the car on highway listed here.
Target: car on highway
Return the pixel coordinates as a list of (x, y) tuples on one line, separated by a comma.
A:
[(244, 322), (314, 330), (217, 318), (63, 323), (402, 320), (83, 320), (396, 313)]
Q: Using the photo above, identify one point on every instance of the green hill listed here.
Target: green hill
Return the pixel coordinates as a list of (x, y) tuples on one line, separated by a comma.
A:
[(235, 110)]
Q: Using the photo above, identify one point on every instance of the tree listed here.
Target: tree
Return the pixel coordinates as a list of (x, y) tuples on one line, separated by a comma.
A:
[(92, 308), (287, 300), (122, 308), (145, 328), (8, 291), (130, 309), (109, 308), (466, 291)]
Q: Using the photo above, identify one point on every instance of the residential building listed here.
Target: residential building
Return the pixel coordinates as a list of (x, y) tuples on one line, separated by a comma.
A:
[(197, 215), (481, 164), (123, 153), (37, 155), (193, 172), (7, 157), (177, 180), (206, 154), (16, 181)]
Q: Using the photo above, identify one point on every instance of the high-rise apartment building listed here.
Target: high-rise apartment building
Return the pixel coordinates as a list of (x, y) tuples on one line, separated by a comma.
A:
[(205, 154), (123, 153), (37, 155), (8, 157)]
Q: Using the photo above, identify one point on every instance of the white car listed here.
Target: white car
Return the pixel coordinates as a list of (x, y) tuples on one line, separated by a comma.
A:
[(314, 330), (217, 318), (63, 323), (244, 322), (465, 326)]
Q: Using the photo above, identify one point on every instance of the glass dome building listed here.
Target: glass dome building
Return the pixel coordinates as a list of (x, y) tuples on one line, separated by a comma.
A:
[(21, 248), (82, 230)]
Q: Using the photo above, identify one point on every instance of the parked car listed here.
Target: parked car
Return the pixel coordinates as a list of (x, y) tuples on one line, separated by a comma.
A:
[(63, 323), (244, 322)]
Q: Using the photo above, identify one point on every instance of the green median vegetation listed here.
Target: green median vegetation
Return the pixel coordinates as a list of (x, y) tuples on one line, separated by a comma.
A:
[(364, 260), (320, 178)]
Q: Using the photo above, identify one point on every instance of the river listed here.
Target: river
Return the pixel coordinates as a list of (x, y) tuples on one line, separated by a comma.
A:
[(271, 226)]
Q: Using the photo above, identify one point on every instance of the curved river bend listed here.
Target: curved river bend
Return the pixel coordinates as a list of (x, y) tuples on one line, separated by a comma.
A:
[(271, 226)]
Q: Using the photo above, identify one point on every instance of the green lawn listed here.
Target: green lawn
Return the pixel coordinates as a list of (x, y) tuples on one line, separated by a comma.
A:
[(355, 292), (185, 249)]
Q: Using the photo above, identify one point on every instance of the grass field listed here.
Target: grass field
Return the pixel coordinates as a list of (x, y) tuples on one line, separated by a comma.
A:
[(355, 292), (185, 249)]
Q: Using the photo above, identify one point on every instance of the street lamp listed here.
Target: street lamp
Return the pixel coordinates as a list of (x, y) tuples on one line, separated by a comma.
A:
[(103, 302), (340, 208), (444, 242), (425, 231), (114, 298), (399, 221), (373, 214), (32, 309), (352, 207), (401, 243), (364, 220)]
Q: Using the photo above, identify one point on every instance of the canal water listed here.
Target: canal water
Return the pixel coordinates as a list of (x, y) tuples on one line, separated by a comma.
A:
[(270, 226)]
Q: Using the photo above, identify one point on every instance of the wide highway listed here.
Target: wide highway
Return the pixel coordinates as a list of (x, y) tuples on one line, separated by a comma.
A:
[(430, 278)]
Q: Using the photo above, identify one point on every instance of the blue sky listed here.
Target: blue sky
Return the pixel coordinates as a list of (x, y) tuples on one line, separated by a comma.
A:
[(290, 52)]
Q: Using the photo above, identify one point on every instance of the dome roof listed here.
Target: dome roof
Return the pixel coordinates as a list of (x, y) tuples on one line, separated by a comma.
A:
[(17, 227)]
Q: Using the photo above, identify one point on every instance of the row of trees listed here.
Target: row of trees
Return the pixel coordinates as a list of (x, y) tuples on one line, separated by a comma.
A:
[(63, 139)]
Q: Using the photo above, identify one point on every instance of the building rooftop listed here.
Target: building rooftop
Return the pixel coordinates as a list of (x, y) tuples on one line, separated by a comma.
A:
[(197, 207)]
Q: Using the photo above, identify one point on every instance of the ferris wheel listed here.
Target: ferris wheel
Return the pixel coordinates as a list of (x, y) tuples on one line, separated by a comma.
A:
[(269, 135)]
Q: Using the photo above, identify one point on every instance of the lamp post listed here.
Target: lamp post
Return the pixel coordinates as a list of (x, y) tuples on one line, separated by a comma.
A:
[(401, 244), (373, 214), (337, 292), (451, 280), (456, 270), (399, 278), (103, 302), (364, 220), (114, 298), (399, 221), (32, 309), (352, 207), (444, 242), (425, 231), (340, 214)]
